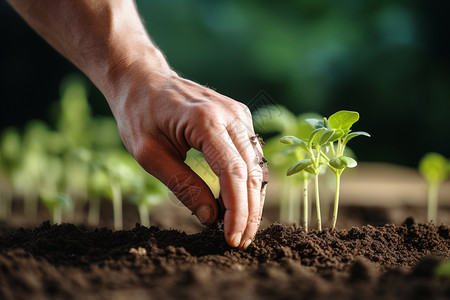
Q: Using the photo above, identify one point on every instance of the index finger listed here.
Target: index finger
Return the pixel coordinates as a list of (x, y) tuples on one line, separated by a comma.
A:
[(228, 164)]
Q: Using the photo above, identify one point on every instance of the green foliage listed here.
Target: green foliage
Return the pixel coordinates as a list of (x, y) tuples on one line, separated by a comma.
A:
[(434, 167), (317, 56), (75, 115), (10, 146), (83, 159), (149, 193), (278, 121), (51, 189), (442, 270), (197, 162), (325, 144)]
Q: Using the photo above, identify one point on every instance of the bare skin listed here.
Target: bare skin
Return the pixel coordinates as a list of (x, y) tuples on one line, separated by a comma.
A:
[(160, 115)]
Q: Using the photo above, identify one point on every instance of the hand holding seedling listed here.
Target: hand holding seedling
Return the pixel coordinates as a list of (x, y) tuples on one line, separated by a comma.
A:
[(160, 115)]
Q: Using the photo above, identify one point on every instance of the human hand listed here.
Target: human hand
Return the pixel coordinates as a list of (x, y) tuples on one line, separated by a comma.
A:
[(161, 116)]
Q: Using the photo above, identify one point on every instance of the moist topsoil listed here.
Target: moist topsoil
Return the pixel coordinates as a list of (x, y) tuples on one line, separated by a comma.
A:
[(284, 262)]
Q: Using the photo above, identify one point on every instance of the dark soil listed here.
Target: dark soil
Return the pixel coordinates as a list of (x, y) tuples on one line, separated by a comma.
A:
[(72, 262)]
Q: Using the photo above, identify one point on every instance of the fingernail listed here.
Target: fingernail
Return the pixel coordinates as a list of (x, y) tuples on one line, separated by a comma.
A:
[(205, 213), (246, 244), (236, 240)]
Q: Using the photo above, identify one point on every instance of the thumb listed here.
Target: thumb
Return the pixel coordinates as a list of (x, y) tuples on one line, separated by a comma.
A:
[(187, 186)]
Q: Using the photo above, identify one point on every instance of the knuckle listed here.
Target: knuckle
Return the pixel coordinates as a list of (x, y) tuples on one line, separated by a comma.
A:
[(255, 177), (237, 169), (243, 108), (255, 220), (202, 112), (238, 110)]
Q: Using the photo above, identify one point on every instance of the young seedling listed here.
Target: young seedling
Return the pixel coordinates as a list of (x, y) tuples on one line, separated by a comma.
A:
[(435, 168), (311, 164), (119, 167), (278, 121), (29, 176), (105, 139), (51, 190), (138, 186), (126, 178), (326, 145), (337, 135), (98, 188), (305, 178), (149, 193)]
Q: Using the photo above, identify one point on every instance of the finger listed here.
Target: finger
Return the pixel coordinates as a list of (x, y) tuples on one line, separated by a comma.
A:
[(187, 186), (226, 161), (240, 133)]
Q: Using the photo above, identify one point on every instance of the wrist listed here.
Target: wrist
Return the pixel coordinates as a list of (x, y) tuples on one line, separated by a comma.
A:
[(145, 72)]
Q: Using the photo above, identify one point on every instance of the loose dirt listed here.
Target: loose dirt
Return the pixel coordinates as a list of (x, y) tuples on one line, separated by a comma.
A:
[(284, 262)]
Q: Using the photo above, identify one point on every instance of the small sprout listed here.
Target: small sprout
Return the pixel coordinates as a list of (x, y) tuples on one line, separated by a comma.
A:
[(277, 121), (98, 188), (55, 204), (434, 167), (325, 143), (338, 135), (119, 166), (51, 188), (312, 164), (147, 192)]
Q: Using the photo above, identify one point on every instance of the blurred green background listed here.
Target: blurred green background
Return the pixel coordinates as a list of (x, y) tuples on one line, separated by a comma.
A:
[(389, 60)]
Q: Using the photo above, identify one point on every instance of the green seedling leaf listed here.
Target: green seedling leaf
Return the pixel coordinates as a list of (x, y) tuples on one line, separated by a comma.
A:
[(325, 123), (292, 140), (331, 135), (325, 137), (309, 169), (355, 134), (316, 135), (342, 162), (433, 167), (343, 120), (304, 127), (338, 133), (315, 123), (299, 166)]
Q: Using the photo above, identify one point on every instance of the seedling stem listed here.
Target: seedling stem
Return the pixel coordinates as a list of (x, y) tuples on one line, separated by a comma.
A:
[(144, 215), (305, 203), (432, 205), (117, 204)]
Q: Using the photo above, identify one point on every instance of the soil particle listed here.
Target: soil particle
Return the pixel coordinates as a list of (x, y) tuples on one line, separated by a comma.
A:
[(284, 262)]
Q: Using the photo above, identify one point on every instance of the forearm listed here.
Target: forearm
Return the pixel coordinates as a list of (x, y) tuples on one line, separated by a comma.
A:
[(102, 38)]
